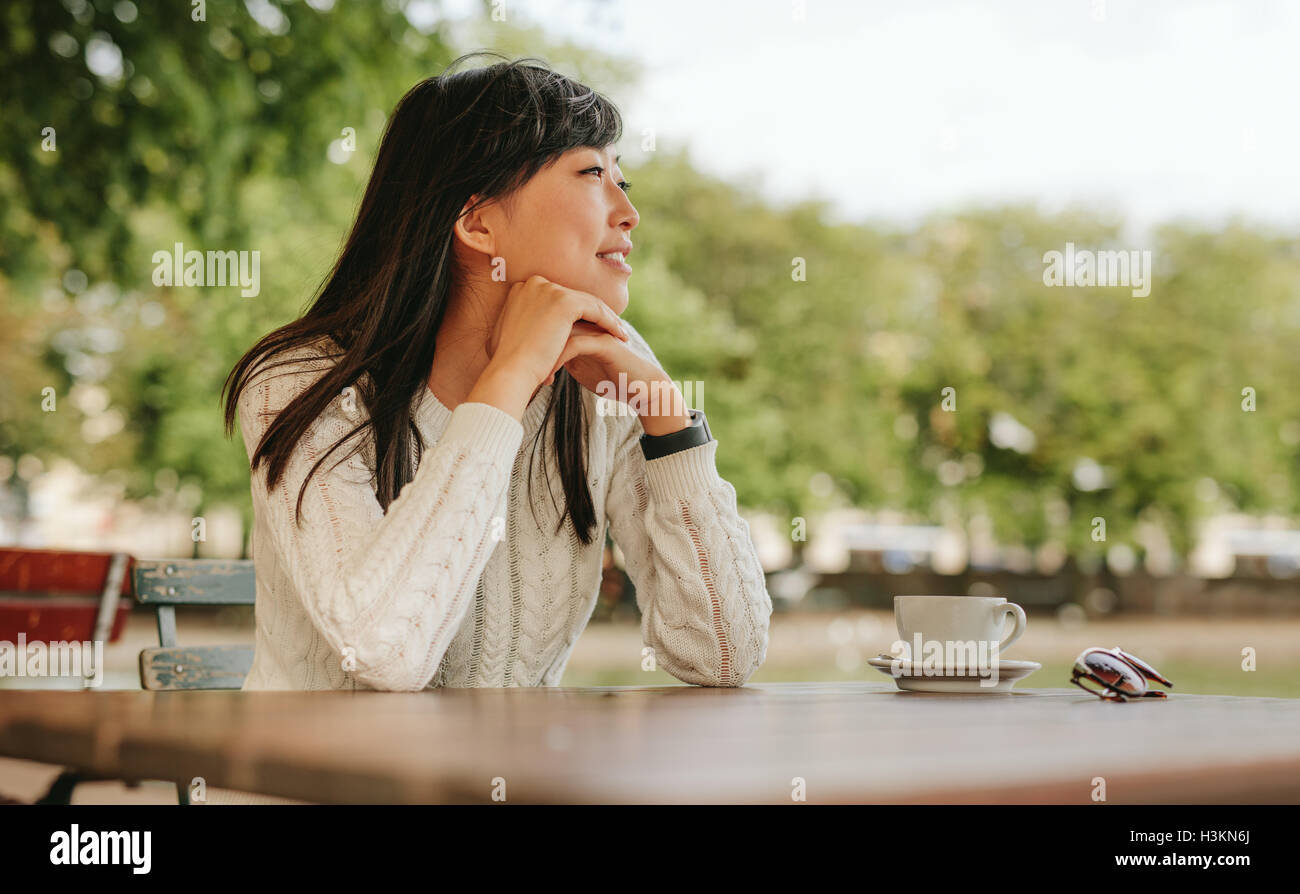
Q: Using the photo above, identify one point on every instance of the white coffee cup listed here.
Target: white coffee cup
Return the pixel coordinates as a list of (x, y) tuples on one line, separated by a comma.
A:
[(957, 619)]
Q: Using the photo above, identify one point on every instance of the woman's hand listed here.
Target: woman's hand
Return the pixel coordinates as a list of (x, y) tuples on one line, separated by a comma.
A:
[(593, 356), (545, 326), (536, 323), (596, 359)]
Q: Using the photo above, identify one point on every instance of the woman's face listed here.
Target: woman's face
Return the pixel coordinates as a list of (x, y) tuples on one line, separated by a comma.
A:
[(560, 220)]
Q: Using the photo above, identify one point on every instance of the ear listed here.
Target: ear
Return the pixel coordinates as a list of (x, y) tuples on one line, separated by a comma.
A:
[(473, 229)]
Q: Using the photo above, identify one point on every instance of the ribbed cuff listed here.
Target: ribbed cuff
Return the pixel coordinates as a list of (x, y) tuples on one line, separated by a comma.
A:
[(485, 427), (686, 473)]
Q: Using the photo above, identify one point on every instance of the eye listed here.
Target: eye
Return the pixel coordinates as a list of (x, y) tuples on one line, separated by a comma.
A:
[(598, 170)]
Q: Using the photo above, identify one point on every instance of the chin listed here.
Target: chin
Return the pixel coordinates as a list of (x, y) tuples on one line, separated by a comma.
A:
[(615, 298)]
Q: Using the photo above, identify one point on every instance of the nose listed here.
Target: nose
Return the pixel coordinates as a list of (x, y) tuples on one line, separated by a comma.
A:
[(625, 214), (630, 219)]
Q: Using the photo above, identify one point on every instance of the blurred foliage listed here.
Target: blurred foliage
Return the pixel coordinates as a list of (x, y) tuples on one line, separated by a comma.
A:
[(218, 134), (215, 134), (845, 373)]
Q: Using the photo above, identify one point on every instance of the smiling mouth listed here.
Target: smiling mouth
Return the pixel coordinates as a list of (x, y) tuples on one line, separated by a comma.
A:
[(617, 260)]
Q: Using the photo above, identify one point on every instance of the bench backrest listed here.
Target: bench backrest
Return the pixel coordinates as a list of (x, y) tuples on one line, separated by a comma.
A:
[(166, 584), (57, 596), (49, 595)]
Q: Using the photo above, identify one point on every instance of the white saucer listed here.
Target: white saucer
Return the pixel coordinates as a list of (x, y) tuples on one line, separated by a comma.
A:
[(1009, 672)]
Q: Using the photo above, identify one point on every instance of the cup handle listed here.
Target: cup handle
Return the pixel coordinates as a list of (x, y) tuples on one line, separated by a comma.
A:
[(1018, 630)]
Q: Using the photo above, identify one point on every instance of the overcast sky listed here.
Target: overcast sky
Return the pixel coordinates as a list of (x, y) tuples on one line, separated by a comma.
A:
[(892, 110)]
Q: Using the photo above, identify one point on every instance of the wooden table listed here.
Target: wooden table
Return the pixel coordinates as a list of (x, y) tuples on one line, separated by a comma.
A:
[(848, 742)]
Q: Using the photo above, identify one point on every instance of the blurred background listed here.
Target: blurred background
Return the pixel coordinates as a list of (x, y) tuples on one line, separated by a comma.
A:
[(845, 210)]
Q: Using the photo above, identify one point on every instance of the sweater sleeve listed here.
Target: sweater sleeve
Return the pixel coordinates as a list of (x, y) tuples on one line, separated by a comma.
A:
[(386, 590), (699, 583)]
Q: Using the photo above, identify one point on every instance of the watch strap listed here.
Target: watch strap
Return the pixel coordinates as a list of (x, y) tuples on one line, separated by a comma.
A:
[(693, 435)]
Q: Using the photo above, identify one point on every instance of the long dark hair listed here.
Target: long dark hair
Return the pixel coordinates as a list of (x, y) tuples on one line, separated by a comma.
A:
[(483, 131)]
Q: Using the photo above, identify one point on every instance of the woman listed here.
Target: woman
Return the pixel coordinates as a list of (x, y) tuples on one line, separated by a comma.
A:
[(401, 541)]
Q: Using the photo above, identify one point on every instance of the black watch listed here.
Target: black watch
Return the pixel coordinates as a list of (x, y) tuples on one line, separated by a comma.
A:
[(693, 435)]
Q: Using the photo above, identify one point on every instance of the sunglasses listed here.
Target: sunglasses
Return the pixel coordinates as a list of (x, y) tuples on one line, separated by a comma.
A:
[(1119, 675)]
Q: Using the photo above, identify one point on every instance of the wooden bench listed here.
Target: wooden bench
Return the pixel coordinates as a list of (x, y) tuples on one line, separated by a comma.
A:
[(48, 595), (165, 584), (53, 595)]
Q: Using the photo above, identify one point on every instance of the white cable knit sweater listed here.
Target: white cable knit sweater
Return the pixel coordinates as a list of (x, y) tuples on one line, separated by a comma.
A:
[(456, 585)]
